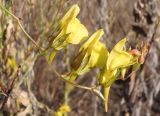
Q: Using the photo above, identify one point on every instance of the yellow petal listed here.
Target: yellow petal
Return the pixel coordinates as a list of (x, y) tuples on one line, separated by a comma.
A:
[(107, 77), (99, 55), (120, 45), (59, 113), (78, 32), (106, 94), (119, 58), (11, 62), (93, 39), (70, 15), (65, 108), (72, 33)]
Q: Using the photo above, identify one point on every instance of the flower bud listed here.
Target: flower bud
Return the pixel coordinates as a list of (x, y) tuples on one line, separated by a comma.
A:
[(135, 52)]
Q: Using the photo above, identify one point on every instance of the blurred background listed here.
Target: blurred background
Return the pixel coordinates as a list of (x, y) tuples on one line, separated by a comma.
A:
[(38, 91)]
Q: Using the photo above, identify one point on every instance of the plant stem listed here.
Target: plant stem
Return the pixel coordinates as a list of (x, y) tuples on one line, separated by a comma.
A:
[(68, 88), (91, 89)]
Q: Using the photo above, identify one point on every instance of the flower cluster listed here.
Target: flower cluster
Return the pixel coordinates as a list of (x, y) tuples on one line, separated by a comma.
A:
[(93, 53)]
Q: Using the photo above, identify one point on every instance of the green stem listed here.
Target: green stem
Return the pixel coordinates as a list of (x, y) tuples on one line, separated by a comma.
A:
[(69, 87), (91, 89)]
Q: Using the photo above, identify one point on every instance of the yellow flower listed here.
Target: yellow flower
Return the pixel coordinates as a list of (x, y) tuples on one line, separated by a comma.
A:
[(11, 62), (118, 57), (71, 31), (117, 63), (63, 109), (92, 53)]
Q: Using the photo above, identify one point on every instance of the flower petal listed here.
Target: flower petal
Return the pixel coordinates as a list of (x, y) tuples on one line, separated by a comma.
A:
[(99, 55), (93, 39), (78, 32), (70, 15), (118, 57)]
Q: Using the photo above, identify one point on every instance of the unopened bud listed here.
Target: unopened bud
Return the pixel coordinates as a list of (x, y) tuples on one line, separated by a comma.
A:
[(135, 52)]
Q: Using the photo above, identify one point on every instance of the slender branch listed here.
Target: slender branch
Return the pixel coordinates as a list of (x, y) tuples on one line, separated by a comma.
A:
[(63, 78), (91, 89), (20, 25)]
